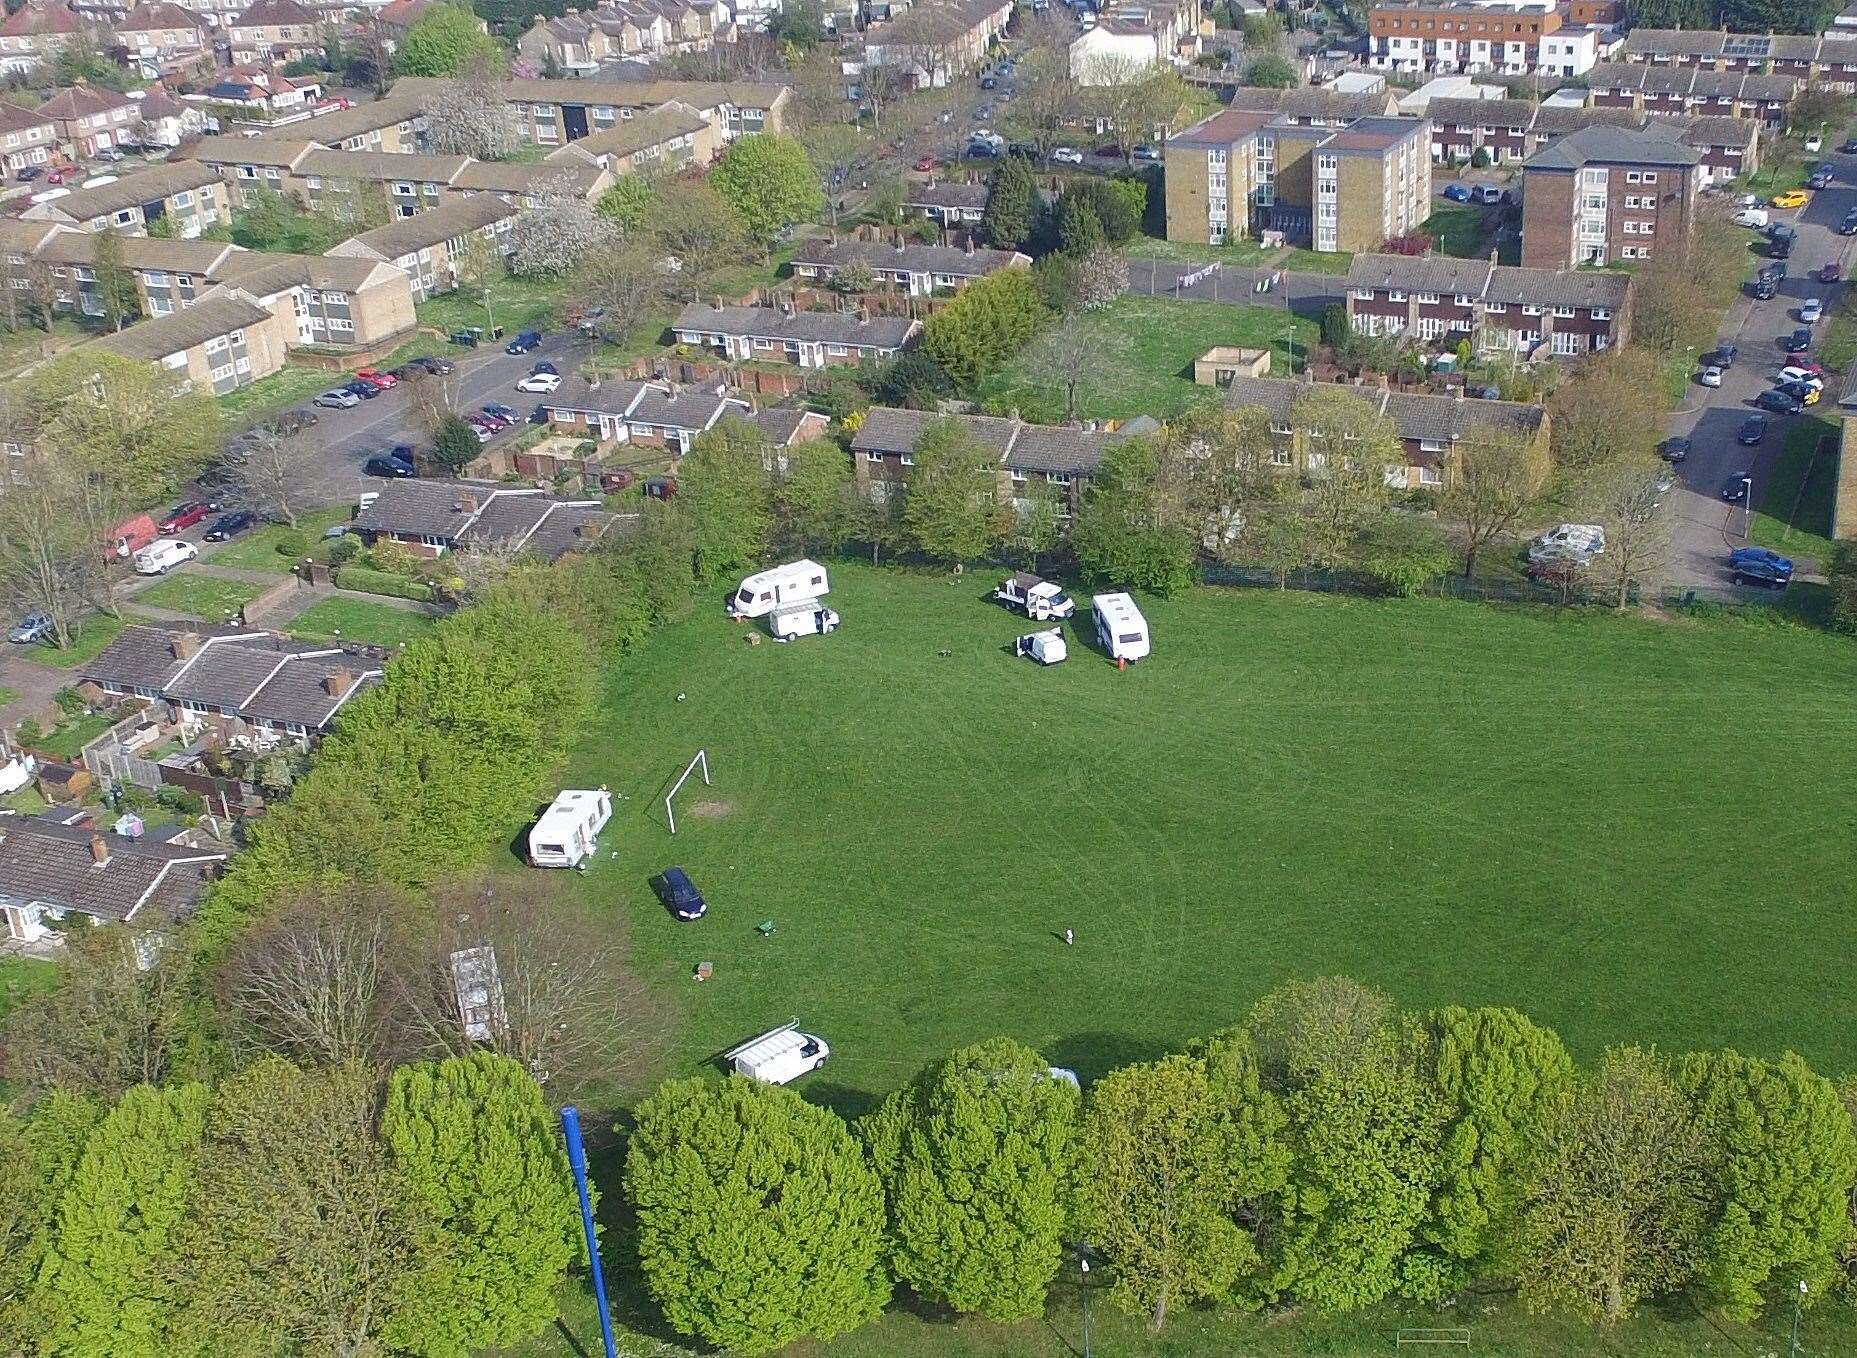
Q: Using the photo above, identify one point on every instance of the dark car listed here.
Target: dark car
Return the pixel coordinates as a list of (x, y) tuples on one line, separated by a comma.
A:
[(1456, 193), (1849, 148), (406, 372), (680, 895), (1758, 566), (438, 367), (1831, 273), (1778, 402), (182, 517), (1821, 179), (492, 418), (1781, 248), (388, 466), (30, 173), (507, 414), (1798, 342), (524, 342), (1674, 450), (1764, 289), (988, 82), (543, 366), (367, 391), (1734, 489), (1799, 391), (1848, 227), (1753, 429), (1723, 357), (228, 526)]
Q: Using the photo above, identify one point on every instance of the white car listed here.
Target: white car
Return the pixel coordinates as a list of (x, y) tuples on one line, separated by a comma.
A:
[(1710, 376), (1811, 310), (1791, 374), (1067, 155), (1814, 144), (542, 383), (162, 557), (1569, 539), (1755, 217)]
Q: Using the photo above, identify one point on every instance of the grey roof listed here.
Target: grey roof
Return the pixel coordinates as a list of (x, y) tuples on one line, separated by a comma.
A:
[(1612, 146), (822, 327), (329, 129), (147, 186), (54, 864), (1553, 120), (263, 274), (216, 313), (1320, 104), (1673, 42), (382, 165), (463, 512), (457, 216), (1421, 273), (782, 426), (970, 196), (629, 136), (687, 409), (1482, 112), (1719, 131), (282, 152), (939, 259), (1018, 446), (609, 397), (1420, 417), (1585, 288)]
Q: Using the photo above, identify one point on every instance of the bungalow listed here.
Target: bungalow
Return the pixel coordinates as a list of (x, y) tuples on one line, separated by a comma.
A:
[(918, 270), (52, 869), (811, 339), (90, 120), (224, 341), (27, 137), (429, 248), (185, 192), (647, 414), (948, 205), (1503, 309), (255, 99), (435, 517), (1062, 456)]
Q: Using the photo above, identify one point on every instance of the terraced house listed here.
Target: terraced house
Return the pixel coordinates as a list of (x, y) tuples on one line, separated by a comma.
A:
[(1500, 309), (919, 270), (1829, 60), (1511, 130), (431, 249), (808, 339), (224, 341), (184, 193), (27, 137), (89, 120), (280, 31), (580, 41), (666, 138), (1691, 90), (662, 415), (409, 184), (1063, 457)]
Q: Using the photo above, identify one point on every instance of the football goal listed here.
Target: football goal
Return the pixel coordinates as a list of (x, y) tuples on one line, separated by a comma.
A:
[(701, 761)]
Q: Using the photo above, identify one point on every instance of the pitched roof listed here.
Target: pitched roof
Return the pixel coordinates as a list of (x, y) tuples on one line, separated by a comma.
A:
[(275, 14), (1586, 288), (382, 165), (283, 152), (463, 512), (13, 118), (783, 427), (82, 101), (155, 16), (939, 259), (261, 273), (1482, 112), (1417, 416), (31, 20), (214, 314), (1016, 444), (700, 94), (971, 197), (822, 327), (690, 408), (454, 217), (134, 190), (254, 675), (1421, 273), (1615, 146), (56, 865), (203, 257), (629, 136), (338, 125)]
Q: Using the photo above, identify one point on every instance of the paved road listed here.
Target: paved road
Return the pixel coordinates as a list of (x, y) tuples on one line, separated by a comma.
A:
[(1705, 529)]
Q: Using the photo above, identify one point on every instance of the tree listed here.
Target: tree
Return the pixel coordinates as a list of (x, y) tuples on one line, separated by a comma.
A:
[(913, 380), (624, 283), (106, 1282), (1222, 458), (455, 444), (52, 520), (1616, 1214), (554, 235), (129, 421), (1038, 518), (478, 1150), (1350, 450), (1132, 530), (469, 115), (759, 1218), (1049, 99), (974, 1155), (1170, 1155), (37, 1159), (725, 481), (769, 181), (698, 226), (1781, 1162), (1102, 276), (277, 472), (800, 25), (300, 1235), (445, 40), (1495, 479), (1011, 214), (954, 510), (1071, 357), (987, 323), (873, 515), (627, 201), (1610, 410), (1272, 71), (810, 486), (1625, 498), (116, 293), (1400, 552)]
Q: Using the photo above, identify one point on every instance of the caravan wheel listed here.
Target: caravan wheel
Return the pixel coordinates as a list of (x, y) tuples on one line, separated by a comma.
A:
[(819, 1064)]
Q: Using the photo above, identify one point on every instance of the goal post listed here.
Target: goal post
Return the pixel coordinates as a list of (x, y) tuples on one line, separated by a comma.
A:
[(701, 761)]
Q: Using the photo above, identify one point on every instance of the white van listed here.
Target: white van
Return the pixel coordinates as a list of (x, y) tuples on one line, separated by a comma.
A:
[(797, 582), (569, 830), (801, 620), (779, 1055), (1120, 628)]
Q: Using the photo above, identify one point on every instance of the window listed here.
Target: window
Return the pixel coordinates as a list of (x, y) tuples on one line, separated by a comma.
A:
[(908, 460), (1395, 296), (1427, 298), (1430, 476), (1601, 314)]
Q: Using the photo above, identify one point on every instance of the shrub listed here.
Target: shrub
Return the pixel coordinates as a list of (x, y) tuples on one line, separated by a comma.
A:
[(344, 550), (1479, 159), (366, 581), (71, 702), (292, 544)]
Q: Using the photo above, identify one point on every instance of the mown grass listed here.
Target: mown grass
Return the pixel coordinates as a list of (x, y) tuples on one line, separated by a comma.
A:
[(1458, 230), (88, 636), (257, 550), (202, 596), (358, 620), (1793, 514), (290, 385)]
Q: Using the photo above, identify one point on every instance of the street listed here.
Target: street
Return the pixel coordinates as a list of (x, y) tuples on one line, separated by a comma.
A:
[(1704, 528)]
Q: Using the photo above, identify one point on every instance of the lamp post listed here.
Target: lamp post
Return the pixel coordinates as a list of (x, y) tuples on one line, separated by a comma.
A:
[(1081, 1248), (1289, 339), (1798, 1302), (1747, 504)]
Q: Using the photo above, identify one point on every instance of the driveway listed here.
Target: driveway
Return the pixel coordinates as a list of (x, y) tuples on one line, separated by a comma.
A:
[(1704, 528)]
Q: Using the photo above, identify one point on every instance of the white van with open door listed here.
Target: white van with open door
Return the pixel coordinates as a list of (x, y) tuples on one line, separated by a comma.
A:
[(1120, 629), (797, 582), (801, 620)]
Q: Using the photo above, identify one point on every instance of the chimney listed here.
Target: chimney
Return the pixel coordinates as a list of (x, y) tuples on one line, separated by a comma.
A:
[(587, 530), (99, 850), (467, 502), (970, 244), (337, 683), (900, 247), (185, 645)]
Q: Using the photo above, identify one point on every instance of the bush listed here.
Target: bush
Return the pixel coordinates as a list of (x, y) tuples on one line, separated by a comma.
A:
[(366, 581), (1841, 572), (1479, 159), (292, 545), (71, 702), (344, 550)]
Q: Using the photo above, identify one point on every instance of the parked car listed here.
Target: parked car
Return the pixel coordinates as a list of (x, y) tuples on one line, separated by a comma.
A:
[(228, 526), (340, 398), (1457, 193), (481, 427), (508, 414), (438, 367), (366, 391), (1753, 429), (1848, 227), (389, 466), (1811, 309), (1759, 566), (1790, 198), (1710, 376), (1577, 539), (1821, 179), (35, 626), (493, 420), (385, 381), (407, 372), (524, 342), (1067, 155), (1755, 217), (1849, 148), (1735, 488), (162, 557), (182, 517), (680, 895), (1798, 342), (1674, 450), (1723, 357), (1814, 144), (543, 366), (1814, 374), (988, 82), (1148, 153), (540, 383), (1764, 289), (1805, 393), (1778, 402), (464, 339), (30, 173), (1811, 367)]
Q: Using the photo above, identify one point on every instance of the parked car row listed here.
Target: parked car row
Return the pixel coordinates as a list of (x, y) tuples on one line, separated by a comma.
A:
[(368, 383)]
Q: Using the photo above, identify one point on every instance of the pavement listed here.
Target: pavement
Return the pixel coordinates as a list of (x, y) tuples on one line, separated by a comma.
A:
[(1704, 528)]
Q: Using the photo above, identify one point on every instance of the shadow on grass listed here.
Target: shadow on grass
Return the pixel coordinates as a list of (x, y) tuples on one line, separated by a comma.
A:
[(1094, 1055)]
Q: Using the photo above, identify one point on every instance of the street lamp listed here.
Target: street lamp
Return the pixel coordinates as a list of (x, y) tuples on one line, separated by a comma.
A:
[(1798, 1301), (1081, 1248), (1289, 338)]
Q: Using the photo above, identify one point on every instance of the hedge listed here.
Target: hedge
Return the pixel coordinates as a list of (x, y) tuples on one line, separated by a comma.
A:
[(366, 580)]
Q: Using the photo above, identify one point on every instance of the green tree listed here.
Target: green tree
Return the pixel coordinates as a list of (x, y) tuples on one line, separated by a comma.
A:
[(912, 380), (974, 1155), (445, 40), (726, 484), (1336, 332), (988, 323), (811, 483), (770, 181), (106, 1281), (1781, 1163), (37, 1159), (128, 420), (1012, 204), (1350, 448), (1272, 71), (627, 201), (1401, 552), (1617, 1212), (479, 1151), (759, 1218), (116, 293), (1077, 226), (455, 445), (1037, 521), (954, 511), (1131, 530), (1495, 478)]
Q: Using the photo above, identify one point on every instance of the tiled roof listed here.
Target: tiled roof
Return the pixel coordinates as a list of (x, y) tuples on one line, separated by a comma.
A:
[(215, 314), (276, 14), (382, 165), (486, 176), (55, 865), (454, 217), (201, 257), (146, 186), (783, 427), (462, 512), (1017, 445), (1482, 112), (254, 675), (333, 128), (284, 152), (701, 94), (1612, 146), (262, 273), (1444, 274), (31, 20), (1417, 416), (13, 118), (939, 259), (823, 327), (629, 136), (158, 16), (687, 409), (1585, 288), (972, 197), (82, 101)]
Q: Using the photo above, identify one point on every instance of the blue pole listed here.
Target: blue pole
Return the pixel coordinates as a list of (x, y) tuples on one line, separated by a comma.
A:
[(577, 1161)]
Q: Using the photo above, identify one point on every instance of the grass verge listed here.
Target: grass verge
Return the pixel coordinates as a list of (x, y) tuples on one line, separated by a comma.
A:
[(88, 637), (257, 550), (290, 385), (358, 620), (202, 596), (1794, 510)]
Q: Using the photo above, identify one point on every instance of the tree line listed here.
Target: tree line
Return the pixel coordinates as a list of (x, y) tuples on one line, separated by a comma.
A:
[(1329, 1152)]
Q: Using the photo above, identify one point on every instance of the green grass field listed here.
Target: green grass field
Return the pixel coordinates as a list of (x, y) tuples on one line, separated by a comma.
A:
[(1458, 230), (203, 596), (1241, 253), (257, 550), (358, 620), (1794, 513), (88, 637), (290, 385), (1147, 347), (1459, 803)]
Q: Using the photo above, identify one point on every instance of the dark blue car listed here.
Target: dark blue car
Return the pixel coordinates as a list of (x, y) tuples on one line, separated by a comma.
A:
[(1759, 566), (680, 895), (367, 391)]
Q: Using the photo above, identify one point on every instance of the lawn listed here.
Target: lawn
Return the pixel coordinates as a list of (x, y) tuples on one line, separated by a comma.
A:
[(89, 636), (1240, 253), (67, 739), (1317, 261), (290, 385), (358, 620), (1459, 230), (257, 550), (1794, 512), (203, 596), (1146, 348)]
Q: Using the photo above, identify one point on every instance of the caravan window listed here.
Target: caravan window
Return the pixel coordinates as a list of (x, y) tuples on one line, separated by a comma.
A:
[(818, 579), (1128, 636), (745, 597), (550, 848)]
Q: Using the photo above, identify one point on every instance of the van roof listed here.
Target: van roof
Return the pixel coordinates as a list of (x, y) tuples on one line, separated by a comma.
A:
[(772, 1045)]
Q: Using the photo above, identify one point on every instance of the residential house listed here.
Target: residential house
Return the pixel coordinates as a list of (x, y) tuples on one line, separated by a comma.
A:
[(1532, 313), (187, 194), (667, 138), (556, 112), (785, 427), (429, 249), (918, 270), (410, 183), (393, 124), (1061, 456), (224, 341), (580, 42), (167, 121), (1692, 90), (1793, 54), (948, 205), (397, 19), (275, 30), (1507, 37), (90, 120), (27, 137), (54, 869), (810, 339), (435, 517), (159, 38), (255, 99), (1511, 130), (1134, 37), (254, 687), (1602, 195), (36, 32), (936, 41), (642, 414)]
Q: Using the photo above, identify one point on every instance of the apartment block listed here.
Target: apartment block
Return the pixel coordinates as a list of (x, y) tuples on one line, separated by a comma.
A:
[(183, 192), (556, 112), (430, 249), (1603, 195), (224, 341)]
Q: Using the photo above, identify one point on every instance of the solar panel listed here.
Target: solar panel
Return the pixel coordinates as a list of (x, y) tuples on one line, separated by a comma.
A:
[(1747, 45)]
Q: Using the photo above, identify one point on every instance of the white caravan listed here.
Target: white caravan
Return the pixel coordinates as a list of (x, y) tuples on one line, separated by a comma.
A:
[(797, 582), (569, 830), (801, 620), (1120, 628), (779, 1055)]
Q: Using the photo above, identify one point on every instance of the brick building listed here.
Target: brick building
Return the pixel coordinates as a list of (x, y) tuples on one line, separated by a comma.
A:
[(1499, 308), (1692, 90), (1603, 195), (1511, 130), (810, 339), (1510, 37)]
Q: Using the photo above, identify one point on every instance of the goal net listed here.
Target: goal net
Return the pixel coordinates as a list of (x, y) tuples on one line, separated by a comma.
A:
[(700, 762)]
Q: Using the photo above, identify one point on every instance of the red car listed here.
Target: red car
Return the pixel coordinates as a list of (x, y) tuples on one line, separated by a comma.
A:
[(377, 379), (1831, 273), (183, 517), (926, 164), (1804, 364), (55, 177)]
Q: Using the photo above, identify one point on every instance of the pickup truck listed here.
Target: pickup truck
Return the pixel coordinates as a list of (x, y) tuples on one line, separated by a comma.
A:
[(1036, 597)]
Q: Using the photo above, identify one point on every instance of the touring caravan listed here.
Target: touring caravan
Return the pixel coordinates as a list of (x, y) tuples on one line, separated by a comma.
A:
[(1120, 628), (801, 620), (569, 830), (779, 1055), (797, 582)]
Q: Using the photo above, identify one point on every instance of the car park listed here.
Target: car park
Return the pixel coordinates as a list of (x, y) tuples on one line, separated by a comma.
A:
[(366, 391), (388, 466), (1710, 376), (1798, 342), (1778, 402), (1457, 193), (508, 414), (539, 383), (524, 342), (340, 398), (543, 366), (1067, 155), (1790, 198), (1753, 429), (1735, 487), (1674, 450), (228, 526), (1821, 179), (438, 367), (161, 557), (1811, 309), (1811, 367), (182, 517), (407, 372), (1760, 566), (35, 626), (495, 421)]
